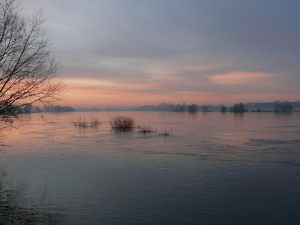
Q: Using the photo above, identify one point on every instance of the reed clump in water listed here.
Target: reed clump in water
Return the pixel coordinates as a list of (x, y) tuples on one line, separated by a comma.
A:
[(122, 123)]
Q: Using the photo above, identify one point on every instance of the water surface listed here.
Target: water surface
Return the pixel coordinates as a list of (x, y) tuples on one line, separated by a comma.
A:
[(213, 169)]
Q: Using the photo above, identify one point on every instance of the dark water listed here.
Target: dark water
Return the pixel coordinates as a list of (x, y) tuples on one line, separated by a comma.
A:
[(213, 169)]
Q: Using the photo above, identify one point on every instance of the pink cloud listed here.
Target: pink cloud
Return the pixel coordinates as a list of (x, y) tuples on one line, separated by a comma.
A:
[(234, 78)]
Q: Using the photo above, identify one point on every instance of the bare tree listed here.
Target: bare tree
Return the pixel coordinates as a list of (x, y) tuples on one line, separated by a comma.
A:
[(26, 64)]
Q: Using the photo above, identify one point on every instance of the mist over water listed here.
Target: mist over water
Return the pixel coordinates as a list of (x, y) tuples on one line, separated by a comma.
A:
[(213, 169)]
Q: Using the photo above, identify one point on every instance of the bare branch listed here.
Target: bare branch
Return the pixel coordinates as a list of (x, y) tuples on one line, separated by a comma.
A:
[(26, 64)]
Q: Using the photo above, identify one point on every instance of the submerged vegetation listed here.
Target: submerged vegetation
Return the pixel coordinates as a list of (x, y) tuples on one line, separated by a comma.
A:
[(149, 130), (15, 209), (83, 123), (165, 133), (145, 130), (122, 123), (126, 124)]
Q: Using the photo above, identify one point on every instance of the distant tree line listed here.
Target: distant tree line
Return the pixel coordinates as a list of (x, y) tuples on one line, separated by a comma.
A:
[(278, 107), (283, 107), (193, 108), (28, 108), (24, 109), (223, 109), (238, 108), (58, 108)]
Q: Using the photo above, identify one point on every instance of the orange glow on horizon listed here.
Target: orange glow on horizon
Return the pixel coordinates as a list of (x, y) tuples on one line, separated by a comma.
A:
[(93, 92)]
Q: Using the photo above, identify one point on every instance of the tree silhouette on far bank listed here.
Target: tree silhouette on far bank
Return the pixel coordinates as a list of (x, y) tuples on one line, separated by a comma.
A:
[(283, 107), (193, 108), (223, 108), (238, 108)]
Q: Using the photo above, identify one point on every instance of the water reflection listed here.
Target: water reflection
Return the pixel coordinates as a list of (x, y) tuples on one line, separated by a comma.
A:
[(14, 207), (206, 170)]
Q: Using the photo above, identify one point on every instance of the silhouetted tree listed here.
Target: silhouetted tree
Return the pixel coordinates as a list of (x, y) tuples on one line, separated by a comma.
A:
[(283, 107), (26, 65), (27, 108), (223, 109), (37, 109), (205, 108), (192, 108), (177, 108), (238, 108)]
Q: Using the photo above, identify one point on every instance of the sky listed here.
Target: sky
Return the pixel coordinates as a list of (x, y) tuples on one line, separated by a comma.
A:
[(140, 52)]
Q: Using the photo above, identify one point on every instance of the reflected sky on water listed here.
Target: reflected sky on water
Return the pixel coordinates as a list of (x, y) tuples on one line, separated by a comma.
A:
[(213, 168)]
